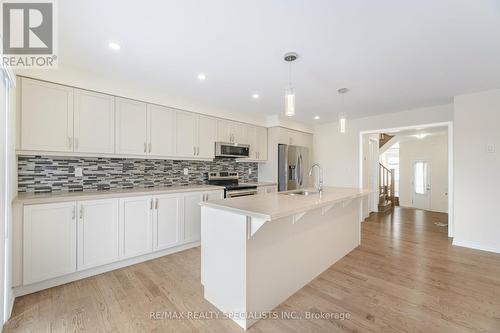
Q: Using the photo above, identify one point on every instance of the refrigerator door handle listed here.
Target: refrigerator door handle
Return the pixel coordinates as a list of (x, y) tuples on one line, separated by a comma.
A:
[(301, 163)]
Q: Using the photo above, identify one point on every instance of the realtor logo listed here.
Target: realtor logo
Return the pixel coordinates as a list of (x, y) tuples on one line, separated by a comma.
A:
[(28, 34)]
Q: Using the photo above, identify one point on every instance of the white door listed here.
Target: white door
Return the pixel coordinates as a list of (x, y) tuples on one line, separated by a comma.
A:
[(131, 127), (94, 122), (161, 131), (206, 137), (49, 248), (46, 116), (98, 238), (136, 226), (167, 221), (421, 185), (251, 138), (187, 127), (261, 143), (192, 216)]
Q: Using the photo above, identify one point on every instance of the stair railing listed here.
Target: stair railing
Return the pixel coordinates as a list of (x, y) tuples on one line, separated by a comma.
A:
[(386, 183)]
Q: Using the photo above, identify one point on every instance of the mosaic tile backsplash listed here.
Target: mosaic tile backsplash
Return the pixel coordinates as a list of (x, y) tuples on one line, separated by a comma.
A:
[(51, 174)]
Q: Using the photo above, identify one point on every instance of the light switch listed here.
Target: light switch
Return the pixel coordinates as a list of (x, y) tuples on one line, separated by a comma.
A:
[(186, 171), (78, 172)]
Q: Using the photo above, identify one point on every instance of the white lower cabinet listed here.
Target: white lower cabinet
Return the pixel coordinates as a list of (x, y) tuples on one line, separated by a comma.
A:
[(98, 237), (49, 247), (167, 221), (63, 238), (192, 216), (136, 226)]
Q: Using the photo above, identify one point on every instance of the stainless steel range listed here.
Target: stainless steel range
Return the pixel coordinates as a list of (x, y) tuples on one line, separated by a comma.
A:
[(230, 181)]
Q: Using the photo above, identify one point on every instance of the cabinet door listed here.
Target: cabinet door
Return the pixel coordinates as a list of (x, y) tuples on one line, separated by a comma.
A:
[(206, 137), (136, 226), (238, 132), (214, 195), (161, 131), (131, 127), (167, 221), (251, 135), (49, 243), (98, 238), (46, 116), (187, 127), (192, 216), (223, 131), (261, 143), (94, 122)]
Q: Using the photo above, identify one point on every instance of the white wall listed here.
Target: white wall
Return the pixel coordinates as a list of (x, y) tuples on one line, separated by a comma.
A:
[(477, 170), (433, 149), (339, 153)]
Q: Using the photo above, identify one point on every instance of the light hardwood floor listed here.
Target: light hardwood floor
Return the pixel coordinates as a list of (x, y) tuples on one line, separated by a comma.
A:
[(405, 277)]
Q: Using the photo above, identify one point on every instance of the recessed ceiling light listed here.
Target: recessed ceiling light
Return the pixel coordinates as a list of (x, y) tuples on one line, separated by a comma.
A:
[(316, 117), (114, 46), (255, 96), (202, 77)]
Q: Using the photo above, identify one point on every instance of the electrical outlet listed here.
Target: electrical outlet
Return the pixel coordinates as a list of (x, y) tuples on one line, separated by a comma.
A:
[(78, 172), (186, 171), (249, 171), (490, 148)]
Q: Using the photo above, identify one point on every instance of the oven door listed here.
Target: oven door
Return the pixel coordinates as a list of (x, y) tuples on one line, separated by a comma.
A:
[(224, 149), (240, 193)]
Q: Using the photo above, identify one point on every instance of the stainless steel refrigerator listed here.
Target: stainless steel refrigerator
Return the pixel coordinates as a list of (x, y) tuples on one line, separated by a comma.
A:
[(293, 167)]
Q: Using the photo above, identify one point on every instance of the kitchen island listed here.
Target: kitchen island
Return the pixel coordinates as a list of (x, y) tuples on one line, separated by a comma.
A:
[(256, 251)]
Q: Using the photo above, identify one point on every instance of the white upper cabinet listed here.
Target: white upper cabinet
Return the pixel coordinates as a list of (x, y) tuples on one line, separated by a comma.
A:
[(206, 137), (94, 126), (98, 238), (131, 127), (186, 138), (251, 135), (230, 131), (49, 243), (46, 116), (261, 143), (161, 134)]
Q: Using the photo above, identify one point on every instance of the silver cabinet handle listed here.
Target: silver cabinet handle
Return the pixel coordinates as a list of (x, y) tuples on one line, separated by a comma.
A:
[(194, 150), (69, 142), (73, 214), (81, 213), (151, 204), (150, 147), (157, 204), (145, 147), (76, 143), (198, 150)]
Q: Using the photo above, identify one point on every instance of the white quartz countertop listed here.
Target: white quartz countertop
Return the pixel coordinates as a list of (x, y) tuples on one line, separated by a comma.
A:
[(32, 198), (272, 206)]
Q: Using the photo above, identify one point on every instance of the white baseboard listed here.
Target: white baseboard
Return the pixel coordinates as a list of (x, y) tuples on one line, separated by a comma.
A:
[(476, 246), (34, 287)]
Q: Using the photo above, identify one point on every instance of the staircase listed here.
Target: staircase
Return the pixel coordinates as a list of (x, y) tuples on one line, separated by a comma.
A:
[(383, 139), (386, 200)]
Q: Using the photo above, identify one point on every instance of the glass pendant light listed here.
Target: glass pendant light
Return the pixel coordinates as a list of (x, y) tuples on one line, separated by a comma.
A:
[(289, 91), (343, 114)]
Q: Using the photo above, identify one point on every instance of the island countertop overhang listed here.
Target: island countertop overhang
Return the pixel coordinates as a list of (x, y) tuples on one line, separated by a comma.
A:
[(272, 206)]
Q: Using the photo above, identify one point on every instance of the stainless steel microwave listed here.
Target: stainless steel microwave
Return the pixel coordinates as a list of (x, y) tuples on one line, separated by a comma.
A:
[(227, 149)]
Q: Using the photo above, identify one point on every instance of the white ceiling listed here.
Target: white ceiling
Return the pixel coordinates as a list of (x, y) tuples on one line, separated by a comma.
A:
[(393, 55)]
